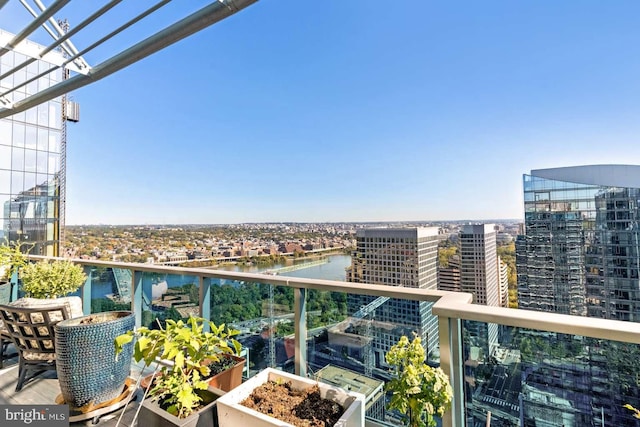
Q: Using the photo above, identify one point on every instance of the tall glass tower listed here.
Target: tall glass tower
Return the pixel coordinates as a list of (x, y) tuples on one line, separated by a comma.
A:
[(580, 255), (581, 250), (32, 157)]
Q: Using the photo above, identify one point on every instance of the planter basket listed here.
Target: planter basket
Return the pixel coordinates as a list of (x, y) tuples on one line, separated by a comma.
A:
[(232, 414), (88, 371)]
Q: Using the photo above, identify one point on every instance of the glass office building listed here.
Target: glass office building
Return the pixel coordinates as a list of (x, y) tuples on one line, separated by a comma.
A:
[(581, 250), (404, 257), (580, 255), (32, 150)]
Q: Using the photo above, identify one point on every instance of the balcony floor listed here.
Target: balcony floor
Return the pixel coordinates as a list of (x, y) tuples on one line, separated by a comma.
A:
[(44, 389)]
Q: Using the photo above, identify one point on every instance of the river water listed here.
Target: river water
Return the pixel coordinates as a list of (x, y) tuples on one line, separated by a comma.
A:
[(335, 269), (332, 270)]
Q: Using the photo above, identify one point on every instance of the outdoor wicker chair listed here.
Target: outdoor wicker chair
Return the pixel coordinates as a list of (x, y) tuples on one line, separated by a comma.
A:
[(33, 334)]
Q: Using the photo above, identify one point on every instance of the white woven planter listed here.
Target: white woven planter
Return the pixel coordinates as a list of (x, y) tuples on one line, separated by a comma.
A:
[(232, 414)]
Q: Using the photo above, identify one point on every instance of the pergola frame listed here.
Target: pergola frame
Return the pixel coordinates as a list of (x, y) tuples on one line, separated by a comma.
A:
[(72, 59)]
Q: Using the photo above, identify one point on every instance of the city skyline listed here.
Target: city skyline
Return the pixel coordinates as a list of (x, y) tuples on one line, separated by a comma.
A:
[(291, 112)]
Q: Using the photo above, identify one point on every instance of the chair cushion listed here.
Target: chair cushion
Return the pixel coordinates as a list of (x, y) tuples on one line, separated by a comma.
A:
[(73, 304), (33, 356)]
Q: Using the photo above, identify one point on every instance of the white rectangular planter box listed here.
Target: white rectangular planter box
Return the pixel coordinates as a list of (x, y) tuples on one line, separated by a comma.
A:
[(232, 414)]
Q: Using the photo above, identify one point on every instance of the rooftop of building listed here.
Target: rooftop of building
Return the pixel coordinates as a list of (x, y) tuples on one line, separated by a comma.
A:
[(350, 380), (408, 232), (607, 175)]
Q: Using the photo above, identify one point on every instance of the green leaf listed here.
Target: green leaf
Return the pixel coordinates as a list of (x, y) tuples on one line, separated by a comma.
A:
[(179, 360), (121, 340), (237, 346), (143, 343)]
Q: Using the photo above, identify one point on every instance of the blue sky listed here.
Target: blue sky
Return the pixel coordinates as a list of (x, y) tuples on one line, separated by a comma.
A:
[(296, 110)]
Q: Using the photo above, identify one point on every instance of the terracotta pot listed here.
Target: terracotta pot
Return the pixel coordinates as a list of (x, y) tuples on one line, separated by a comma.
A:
[(144, 382), (230, 378), (225, 380)]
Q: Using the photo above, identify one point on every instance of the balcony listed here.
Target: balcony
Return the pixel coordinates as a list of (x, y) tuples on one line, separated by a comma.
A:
[(508, 365)]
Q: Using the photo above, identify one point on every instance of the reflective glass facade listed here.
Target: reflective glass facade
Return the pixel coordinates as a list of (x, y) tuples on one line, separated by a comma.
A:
[(535, 378), (581, 250), (580, 255), (31, 151)]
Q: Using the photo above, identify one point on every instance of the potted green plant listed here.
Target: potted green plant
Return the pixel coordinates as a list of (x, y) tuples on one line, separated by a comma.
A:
[(418, 391), (186, 351), (53, 279), (12, 259), (49, 282)]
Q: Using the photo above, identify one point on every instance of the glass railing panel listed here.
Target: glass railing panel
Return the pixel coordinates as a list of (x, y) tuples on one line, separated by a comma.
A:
[(348, 350), (109, 291), (325, 312), (264, 316), (168, 296), (530, 377)]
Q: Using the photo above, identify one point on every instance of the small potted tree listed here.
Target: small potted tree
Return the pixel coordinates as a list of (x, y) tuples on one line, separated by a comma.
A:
[(419, 391), (49, 283), (184, 352)]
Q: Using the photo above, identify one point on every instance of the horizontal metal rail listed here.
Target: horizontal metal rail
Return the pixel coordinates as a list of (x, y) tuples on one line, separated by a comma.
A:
[(450, 307), (455, 305)]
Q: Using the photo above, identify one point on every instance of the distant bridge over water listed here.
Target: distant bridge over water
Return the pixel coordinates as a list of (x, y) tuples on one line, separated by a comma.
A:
[(296, 267)]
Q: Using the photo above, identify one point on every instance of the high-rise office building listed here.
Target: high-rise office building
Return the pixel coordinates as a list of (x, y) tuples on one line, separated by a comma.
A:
[(32, 155), (479, 263), (404, 257), (449, 276), (581, 250), (479, 277), (580, 255)]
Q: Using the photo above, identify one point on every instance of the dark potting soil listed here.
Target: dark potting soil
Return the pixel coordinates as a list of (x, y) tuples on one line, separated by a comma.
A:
[(304, 408), (221, 365)]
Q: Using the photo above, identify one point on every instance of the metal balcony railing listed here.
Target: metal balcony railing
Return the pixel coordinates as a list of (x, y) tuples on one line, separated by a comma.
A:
[(451, 308)]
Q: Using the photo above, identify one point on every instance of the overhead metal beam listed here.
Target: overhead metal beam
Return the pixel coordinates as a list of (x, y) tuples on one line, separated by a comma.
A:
[(45, 26), (193, 23), (46, 14), (54, 23), (118, 30), (33, 50), (76, 28)]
